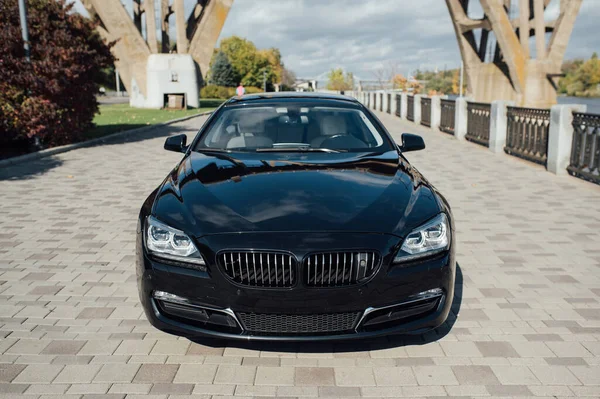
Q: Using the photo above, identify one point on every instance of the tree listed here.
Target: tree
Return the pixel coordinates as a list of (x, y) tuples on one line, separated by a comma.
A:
[(222, 73), (399, 82), (252, 65), (337, 81), (53, 98), (582, 77), (288, 77)]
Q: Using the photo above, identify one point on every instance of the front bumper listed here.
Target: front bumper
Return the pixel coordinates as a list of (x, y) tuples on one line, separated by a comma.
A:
[(397, 300)]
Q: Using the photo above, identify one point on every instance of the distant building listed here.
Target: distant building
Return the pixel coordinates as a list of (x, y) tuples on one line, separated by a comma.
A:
[(305, 85)]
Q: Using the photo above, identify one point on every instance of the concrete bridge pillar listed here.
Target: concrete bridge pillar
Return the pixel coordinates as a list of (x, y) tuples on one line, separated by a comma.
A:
[(498, 125), (460, 118), (560, 137)]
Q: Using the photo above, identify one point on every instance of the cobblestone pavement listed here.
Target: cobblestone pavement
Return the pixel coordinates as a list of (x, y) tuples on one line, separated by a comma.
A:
[(525, 322)]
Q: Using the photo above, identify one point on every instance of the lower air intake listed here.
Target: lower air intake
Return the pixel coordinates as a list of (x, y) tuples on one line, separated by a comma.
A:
[(298, 324)]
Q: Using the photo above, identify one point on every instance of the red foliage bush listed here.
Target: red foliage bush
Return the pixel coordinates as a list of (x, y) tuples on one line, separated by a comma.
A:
[(53, 98)]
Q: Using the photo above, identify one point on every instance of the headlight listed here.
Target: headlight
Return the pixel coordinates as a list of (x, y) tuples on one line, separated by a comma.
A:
[(166, 242), (431, 238)]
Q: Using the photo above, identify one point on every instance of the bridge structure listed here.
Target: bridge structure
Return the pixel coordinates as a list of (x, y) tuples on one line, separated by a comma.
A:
[(514, 69), (500, 61), (136, 38)]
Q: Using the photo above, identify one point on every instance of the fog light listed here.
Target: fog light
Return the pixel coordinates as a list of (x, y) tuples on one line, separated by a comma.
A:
[(430, 293), (167, 297)]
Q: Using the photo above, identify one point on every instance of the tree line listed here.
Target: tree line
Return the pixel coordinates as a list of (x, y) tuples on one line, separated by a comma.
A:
[(238, 61), (582, 78)]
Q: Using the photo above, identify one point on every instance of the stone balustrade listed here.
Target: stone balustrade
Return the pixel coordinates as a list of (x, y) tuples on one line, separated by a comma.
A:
[(544, 136)]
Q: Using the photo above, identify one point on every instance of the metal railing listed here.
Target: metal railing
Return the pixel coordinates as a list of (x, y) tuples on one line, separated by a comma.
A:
[(585, 148), (410, 108), (381, 102), (425, 111), (478, 123), (447, 117), (389, 103), (527, 133), (398, 104)]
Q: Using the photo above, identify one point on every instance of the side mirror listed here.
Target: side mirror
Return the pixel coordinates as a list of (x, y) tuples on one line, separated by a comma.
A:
[(176, 143), (411, 142)]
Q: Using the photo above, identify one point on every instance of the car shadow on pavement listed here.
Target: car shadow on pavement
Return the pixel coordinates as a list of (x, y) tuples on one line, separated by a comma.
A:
[(352, 348)]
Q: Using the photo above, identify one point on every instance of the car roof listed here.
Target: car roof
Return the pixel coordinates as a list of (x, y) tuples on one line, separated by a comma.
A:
[(291, 95)]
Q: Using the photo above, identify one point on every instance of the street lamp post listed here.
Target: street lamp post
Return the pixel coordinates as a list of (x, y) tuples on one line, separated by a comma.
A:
[(24, 29)]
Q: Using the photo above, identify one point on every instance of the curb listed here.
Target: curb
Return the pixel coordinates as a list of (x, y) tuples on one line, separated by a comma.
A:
[(69, 147)]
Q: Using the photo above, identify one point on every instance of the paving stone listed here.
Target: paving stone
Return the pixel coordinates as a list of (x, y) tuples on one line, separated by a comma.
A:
[(38, 373), (117, 373), (195, 374), (496, 349), (63, 347), (475, 375), (156, 373), (182, 389), (75, 374), (274, 376), (235, 375), (8, 372), (435, 375), (315, 376), (394, 376), (515, 375)]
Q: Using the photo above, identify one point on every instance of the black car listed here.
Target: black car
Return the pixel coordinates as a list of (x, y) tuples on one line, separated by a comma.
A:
[(295, 216)]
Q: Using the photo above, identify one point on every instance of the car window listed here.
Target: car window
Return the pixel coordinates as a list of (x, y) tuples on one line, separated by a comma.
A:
[(289, 125)]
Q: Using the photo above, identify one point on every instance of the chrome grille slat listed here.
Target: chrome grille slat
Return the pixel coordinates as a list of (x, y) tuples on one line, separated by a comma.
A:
[(259, 268), (356, 267)]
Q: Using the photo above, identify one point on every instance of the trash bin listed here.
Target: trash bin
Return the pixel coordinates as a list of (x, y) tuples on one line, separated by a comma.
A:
[(176, 101)]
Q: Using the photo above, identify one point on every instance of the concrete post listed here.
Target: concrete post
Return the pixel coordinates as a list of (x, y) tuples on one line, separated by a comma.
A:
[(418, 108), (403, 105), (394, 104), (436, 111), (498, 125), (460, 118), (560, 137), (384, 101)]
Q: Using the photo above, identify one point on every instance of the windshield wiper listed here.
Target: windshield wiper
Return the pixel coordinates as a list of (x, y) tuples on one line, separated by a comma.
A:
[(207, 149), (298, 149)]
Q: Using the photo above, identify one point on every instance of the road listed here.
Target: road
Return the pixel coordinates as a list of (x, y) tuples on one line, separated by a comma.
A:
[(525, 320)]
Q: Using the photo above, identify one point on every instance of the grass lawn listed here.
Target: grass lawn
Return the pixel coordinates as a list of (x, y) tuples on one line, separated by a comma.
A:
[(115, 118)]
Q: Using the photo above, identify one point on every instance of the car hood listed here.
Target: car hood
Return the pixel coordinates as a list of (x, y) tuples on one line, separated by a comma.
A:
[(316, 192)]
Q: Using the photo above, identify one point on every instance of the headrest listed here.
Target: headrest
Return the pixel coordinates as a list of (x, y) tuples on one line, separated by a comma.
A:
[(332, 125)]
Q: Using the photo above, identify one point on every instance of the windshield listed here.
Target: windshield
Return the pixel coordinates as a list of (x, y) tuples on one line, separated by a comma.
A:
[(292, 127)]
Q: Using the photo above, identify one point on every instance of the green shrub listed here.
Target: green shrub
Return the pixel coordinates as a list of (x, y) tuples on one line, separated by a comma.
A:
[(214, 91)]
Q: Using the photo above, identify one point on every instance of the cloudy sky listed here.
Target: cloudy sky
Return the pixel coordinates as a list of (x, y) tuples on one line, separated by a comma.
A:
[(364, 36)]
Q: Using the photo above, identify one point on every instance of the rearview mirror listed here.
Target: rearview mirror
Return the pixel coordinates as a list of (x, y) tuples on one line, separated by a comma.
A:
[(176, 143), (411, 142)]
